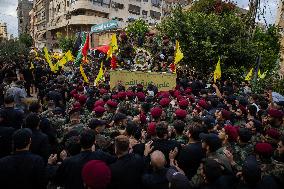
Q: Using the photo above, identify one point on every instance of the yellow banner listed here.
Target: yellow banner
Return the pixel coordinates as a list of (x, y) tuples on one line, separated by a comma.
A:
[(164, 81)]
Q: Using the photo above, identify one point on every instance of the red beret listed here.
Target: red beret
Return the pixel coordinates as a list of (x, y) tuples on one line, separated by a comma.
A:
[(121, 95), (151, 130), (139, 86), (180, 98), (76, 106), (181, 113), (164, 94), (232, 132), (99, 110), (115, 96), (188, 91), (130, 94), (243, 109), (112, 104), (142, 118), (73, 92), (141, 96), (273, 133), (76, 96), (203, 104), (103, 91), (164, 102), (176, 93), (275, 113), (191, 99), (264, 149), (96, 174), (82, 99), (183, 103), (99, 103), (156, 112), (226, 114)]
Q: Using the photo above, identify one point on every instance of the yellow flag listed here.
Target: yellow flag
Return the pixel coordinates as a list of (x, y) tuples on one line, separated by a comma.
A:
[(261, 76), (47, 57), (83, 74), (178, 54), (100, 75), (249, 75), (69, 56), (66, 58), (113, 45), (217, 72)]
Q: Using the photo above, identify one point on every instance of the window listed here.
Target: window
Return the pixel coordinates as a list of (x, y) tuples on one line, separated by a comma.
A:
[(117, 5), (144, 13), (155, 15), (156, 3), (134, 9), (145, 0)]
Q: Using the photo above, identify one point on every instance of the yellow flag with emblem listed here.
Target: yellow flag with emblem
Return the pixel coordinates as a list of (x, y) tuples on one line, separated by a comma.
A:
[(261, 76), (217, 72), (47, 58), (113, 46), (178, 54), (249, 75), (100, 75), (83, 74)]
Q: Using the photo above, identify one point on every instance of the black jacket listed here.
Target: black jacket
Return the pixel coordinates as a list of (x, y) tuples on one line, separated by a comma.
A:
[(11, 118), (190, 158), (40, 144), (22, 170), (126, 172), (156, 180), (6, 141), (68, 173)]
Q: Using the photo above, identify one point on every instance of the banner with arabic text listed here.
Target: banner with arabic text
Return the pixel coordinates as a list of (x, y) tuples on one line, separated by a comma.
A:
[(164, 81)]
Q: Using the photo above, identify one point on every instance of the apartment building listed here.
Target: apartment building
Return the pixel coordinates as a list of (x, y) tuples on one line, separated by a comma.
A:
[(3, 31), (23, 9)]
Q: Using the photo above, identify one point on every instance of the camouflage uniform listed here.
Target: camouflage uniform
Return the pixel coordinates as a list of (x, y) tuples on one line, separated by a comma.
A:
[(108, 116), (278, 172), (181, 139), (240, 153)]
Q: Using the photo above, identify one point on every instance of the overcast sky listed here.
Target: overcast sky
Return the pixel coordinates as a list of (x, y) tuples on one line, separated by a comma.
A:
[(8, 12)]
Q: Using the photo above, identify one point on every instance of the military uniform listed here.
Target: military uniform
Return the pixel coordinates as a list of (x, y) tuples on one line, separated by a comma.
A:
[(241, 152), (181, 139)]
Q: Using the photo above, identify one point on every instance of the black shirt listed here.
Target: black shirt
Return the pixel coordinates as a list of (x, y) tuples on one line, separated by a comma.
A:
[(69, 172), (11, 118), (126, 172), (190, 158), (22, 170), (156, 180)]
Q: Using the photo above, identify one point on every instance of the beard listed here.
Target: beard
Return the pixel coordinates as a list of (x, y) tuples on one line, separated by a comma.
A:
[(279, 157)]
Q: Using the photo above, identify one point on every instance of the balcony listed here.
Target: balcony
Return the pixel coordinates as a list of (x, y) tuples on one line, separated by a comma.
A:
[(87, 5), (77, 20)]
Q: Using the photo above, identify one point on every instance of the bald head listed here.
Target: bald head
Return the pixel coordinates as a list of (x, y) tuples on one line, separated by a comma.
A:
[(158, 159)]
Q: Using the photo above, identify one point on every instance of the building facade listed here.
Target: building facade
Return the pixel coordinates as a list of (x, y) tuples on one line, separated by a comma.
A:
[(3, 31), (24, 7), (40, 17), (280, 23), (71, 16)]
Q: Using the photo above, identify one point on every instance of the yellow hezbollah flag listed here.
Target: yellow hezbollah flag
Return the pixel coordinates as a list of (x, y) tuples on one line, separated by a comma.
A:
[(217, 72), (83, 74), (100, 75), (113, 45), (249, 75), (261, 76), (32, 66), (47, 57), (178, 54), (66, 58)]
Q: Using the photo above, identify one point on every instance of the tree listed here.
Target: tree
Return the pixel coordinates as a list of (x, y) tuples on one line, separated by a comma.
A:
[(205, 34), (26, 39), (137, 28), (65, 43)]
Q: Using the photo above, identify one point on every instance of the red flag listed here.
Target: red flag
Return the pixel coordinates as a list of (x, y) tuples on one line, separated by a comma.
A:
[(86, 47), (113, 63)]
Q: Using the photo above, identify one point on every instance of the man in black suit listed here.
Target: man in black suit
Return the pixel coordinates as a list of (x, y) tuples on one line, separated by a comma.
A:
[(40, 144), (68, 174), (23, 169), (127, 171)]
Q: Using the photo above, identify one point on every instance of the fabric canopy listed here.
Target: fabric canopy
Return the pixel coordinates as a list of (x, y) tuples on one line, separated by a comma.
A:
[(103, 49)]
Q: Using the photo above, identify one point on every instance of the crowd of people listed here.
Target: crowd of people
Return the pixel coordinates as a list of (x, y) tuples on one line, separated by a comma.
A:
[(71, 134)]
